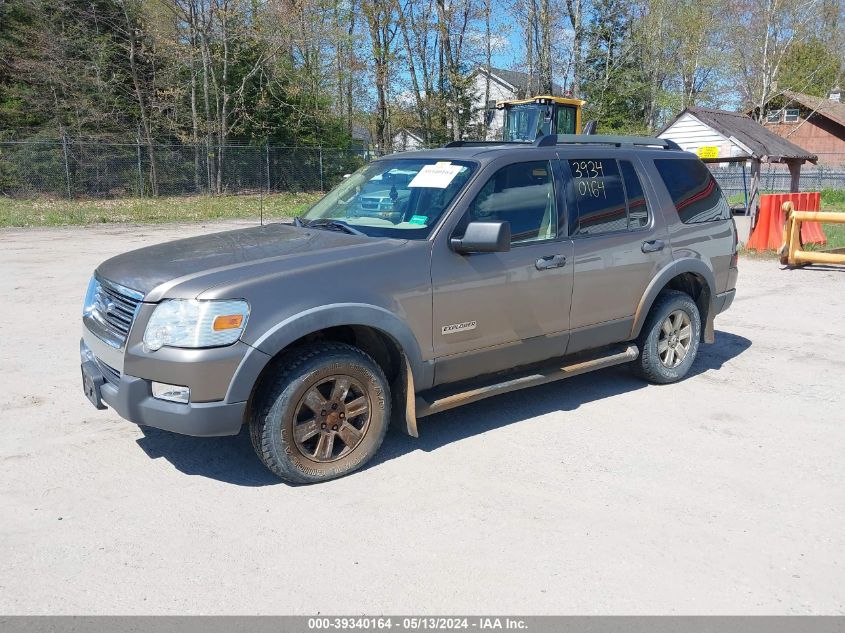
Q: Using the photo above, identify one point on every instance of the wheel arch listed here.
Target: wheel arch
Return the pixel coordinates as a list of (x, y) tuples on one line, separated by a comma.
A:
[(688, 275), (371, 328)]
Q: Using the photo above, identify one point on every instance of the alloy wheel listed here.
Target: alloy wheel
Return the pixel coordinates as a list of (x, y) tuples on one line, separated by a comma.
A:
[(332, 418), (675, 339)]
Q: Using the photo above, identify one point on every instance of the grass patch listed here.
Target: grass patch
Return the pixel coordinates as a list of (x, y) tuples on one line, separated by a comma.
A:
[(57, 212), (832, 199), (835, 233)]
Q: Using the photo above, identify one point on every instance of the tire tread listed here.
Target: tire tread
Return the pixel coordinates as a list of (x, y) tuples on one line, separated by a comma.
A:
[(271, 394), (648, 365)]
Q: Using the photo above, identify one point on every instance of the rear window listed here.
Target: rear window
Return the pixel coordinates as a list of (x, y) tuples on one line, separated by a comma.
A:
[(693, 189)]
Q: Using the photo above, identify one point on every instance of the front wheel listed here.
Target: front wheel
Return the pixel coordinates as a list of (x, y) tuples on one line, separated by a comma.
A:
[(323, 415), (669, 339)]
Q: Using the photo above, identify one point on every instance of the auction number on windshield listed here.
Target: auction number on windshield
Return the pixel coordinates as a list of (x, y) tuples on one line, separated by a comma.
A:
[(589, 178)]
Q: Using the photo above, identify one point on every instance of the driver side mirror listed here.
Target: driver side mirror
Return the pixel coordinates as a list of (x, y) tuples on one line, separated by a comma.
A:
[(484, 237)]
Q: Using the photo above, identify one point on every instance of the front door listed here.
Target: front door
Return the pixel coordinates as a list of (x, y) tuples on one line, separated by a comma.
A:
[(495, 311), (618, 247)]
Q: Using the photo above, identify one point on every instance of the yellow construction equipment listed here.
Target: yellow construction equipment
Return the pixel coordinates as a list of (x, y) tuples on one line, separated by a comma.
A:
[(792, 252), (529, 119)]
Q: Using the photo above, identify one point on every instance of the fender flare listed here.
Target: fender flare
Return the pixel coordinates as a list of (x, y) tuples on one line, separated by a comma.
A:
[(671, 270), (312, 320)]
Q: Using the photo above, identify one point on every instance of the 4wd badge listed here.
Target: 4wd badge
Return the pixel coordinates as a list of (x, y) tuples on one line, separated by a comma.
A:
[(458, 327)]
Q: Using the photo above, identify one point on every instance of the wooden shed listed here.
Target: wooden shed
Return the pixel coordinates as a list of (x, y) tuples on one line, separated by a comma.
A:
[(719, 136)]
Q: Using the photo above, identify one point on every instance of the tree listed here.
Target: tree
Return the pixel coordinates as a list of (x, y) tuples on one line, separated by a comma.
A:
[(382, 23), (810, 67), (769, 28)]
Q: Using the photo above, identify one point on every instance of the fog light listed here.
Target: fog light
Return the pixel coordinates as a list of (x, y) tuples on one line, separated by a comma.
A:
[(173, 393), (85, 352)]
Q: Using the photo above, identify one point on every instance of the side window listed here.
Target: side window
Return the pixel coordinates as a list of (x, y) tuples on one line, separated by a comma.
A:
[(599, 196), (522, 194), (693, 189), (637, 205)]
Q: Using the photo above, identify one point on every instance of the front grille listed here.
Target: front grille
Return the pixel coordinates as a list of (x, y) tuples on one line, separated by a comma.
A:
[(111, 311), (109, 373)]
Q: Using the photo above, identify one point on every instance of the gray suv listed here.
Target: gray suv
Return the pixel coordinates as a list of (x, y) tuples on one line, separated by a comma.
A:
[(495, 267)]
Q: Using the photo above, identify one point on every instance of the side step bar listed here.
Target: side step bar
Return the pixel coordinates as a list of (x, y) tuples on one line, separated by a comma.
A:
[(443, 401)]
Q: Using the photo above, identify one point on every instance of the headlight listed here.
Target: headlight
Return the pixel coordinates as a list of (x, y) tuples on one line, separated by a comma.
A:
[(90, 296), (192, 323)]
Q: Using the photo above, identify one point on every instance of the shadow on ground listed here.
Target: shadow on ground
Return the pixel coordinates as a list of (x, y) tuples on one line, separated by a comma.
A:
[(232, 460), (828, 268)]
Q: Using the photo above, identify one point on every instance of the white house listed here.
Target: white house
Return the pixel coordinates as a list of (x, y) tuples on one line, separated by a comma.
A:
[(405, 140), (695, 132), (504, 84)]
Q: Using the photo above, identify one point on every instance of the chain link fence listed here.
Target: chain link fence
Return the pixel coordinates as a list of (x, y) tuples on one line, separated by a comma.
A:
[(77, 169), (74, 169), (775, 178)]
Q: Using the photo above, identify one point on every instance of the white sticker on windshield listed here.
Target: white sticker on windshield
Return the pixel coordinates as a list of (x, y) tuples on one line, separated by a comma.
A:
[(436, 176)]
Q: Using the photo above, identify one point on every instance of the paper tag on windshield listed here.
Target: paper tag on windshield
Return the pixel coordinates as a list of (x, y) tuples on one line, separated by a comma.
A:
[(436, 176)]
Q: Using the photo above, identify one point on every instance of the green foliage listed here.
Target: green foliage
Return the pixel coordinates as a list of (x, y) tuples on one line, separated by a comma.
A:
[(614, 86), (299, 73), (72, 73), (810, 67), (833, 199)]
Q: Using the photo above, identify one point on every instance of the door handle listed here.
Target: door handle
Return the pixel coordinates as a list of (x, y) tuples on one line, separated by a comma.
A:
[(550, 261), (652, 246)]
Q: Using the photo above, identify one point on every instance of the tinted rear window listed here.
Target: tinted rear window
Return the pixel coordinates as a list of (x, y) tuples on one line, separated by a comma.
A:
[(694, 191)]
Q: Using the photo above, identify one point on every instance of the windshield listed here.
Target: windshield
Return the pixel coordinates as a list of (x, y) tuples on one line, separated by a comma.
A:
[(395, 197), (526, 122)]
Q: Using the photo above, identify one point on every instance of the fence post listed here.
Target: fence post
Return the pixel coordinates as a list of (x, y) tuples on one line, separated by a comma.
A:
[(140, 170), (207, 166), (321, 168), (67, 167), (267, 163)]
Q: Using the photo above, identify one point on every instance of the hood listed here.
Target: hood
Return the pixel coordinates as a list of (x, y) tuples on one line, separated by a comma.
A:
[(170, 263)]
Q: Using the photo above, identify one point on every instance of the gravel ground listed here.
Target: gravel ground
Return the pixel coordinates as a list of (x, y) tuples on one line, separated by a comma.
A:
[(722, 494)]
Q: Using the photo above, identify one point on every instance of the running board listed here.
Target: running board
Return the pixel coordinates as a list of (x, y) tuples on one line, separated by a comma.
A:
[(442, 401)]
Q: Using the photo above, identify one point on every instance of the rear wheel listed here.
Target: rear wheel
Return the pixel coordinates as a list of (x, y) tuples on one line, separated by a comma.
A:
[(669, 339), (323, 415)]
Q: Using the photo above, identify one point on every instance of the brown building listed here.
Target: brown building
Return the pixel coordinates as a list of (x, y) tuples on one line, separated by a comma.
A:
[(816, 124)]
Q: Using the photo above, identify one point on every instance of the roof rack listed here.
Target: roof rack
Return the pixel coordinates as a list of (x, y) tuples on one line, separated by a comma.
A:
[(551, 140), (484, 143), (600, 139)]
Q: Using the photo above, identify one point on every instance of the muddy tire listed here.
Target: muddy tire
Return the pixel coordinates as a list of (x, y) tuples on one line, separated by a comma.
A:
[(669, 339), (322, 413)]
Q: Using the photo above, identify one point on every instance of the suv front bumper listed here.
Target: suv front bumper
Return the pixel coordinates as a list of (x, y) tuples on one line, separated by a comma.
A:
[(132, 399)]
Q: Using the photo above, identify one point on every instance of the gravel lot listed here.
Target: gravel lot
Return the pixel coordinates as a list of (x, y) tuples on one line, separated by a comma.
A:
[(722, 494)]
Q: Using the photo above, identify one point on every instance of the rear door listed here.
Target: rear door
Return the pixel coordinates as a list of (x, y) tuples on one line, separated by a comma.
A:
[(618, 245), (703, 227), (496, 311)]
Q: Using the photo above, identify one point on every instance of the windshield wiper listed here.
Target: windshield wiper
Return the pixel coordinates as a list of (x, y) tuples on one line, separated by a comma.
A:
[(331, 225)]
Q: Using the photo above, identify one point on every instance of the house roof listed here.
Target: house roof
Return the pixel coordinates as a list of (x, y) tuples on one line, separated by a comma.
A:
[(519, 80), (763, 143), (415, 132), (833, 110), (361, 133)]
